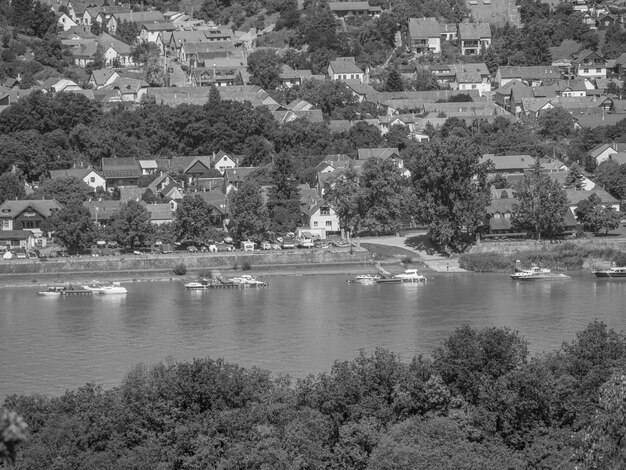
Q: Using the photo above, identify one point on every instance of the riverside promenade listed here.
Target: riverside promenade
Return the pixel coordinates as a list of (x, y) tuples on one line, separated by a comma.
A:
[(416, 242)]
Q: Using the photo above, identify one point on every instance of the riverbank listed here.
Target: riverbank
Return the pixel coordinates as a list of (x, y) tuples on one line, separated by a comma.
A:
[(560, 257)]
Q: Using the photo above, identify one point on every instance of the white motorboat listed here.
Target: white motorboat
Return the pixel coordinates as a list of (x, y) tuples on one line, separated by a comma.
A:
[(52, 291), (199, 284), (247, 280), (113, 288), (611, 272), (536, 273), (410, 275), (367, 278)]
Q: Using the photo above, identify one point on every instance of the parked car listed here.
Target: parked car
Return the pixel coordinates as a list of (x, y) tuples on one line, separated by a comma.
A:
[(192, 249), (224, 247), (166, 248), (266, 245)]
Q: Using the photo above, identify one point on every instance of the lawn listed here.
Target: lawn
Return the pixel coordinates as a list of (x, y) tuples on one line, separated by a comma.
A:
[(385, 252)]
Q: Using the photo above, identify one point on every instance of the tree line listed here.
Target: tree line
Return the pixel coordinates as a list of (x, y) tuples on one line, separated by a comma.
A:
[(479, 401)]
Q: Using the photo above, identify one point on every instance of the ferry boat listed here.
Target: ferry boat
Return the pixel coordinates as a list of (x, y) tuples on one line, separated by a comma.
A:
[(611, 272), (536, 273)]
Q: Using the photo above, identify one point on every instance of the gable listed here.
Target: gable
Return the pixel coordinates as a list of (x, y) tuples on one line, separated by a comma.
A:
[(197, 167)]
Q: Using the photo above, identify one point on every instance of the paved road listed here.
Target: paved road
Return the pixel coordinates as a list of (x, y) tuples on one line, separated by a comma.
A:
[(411, 242)]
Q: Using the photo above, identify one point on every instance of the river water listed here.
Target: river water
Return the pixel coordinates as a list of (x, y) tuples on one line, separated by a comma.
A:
[(297, 325)]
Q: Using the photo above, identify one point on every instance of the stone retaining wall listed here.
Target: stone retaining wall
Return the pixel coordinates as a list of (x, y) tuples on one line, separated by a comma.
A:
[(191, 261), (508, 247)]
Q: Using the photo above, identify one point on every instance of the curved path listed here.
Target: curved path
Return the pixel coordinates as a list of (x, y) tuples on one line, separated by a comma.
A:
[(415, 242)]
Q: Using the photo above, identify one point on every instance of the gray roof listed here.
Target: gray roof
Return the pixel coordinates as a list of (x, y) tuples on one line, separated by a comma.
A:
[(474, 31), (344, 66), (424, 28), (12, 208)]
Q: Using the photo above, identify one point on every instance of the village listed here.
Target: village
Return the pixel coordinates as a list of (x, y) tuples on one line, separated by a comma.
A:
[(174, 59)]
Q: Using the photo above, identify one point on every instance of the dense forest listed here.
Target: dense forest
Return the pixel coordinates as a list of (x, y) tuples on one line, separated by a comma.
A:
[(479, 402)]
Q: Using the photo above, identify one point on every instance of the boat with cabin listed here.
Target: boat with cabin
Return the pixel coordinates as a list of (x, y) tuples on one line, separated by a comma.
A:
[(112, 288), (535, 273), (410, 275), (248, 281), (615, 272), (52, 291)]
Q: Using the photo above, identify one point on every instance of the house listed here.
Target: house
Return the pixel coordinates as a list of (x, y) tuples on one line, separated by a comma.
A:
[(573, 88), (345, 69), (174, 96), (101, 211), (120, 172), (424, 35), (23, 214), (199, 167), (12, 240), (574, 197), (233, 177), (152, 32), (392, 154), (290, 77), (161, 213), (320, 218), (474, 37), (529, 75), (103, 77), (65, 22), (223, 161), (90, 176), (128, 90), (607, 20), (139, 17), (147, 167), (495, 12), (219, 205), (448, 31), (590, 64), (342, 9), (604, 152), (508, 165), (471, 77)]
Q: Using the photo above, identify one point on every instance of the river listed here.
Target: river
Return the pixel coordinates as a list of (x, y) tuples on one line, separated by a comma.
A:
[(298, 325)]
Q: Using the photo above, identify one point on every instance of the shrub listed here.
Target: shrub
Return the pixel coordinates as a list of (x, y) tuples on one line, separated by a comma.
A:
[(205, 274), (407, 260), (180, 269), (246, 266), (485, 262), (620, 259), (235, 266)]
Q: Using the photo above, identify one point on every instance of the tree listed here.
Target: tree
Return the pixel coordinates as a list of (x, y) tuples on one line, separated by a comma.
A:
[(345, 198), (12, 433), (194, 221), (258, 151), (319, 30), (284, 195), (612, 176), (384, 195), (214, 98), (72, 226), (95, 28), (555, 123), (602, 443), (450, 186), (249, 217), (11, 187), (128, 31), (575, 178), (265, 68), (149, 197), (596, 216), (64, 190), (131, 226), (394, 81), (542, 203)]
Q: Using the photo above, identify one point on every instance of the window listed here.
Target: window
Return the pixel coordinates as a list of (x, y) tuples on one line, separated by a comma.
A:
[(598, 70), (315, 223), (473, 87), (585, 70), (329, 223), (6, 225), (92, 179), (325, 211)]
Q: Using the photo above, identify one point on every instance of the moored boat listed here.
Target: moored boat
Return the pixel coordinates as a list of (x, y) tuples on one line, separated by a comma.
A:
[(113, 288), (52, 291), (536, 273), (410, 275), (200, 284), (247, 280), (615, 272)]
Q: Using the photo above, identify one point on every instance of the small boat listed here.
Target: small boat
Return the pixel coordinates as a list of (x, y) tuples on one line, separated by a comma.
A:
[(247, 280), (611, 272), (52, 291), (200, 284), (410, 275), (113, 288), (367, 278), (536, 273)]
